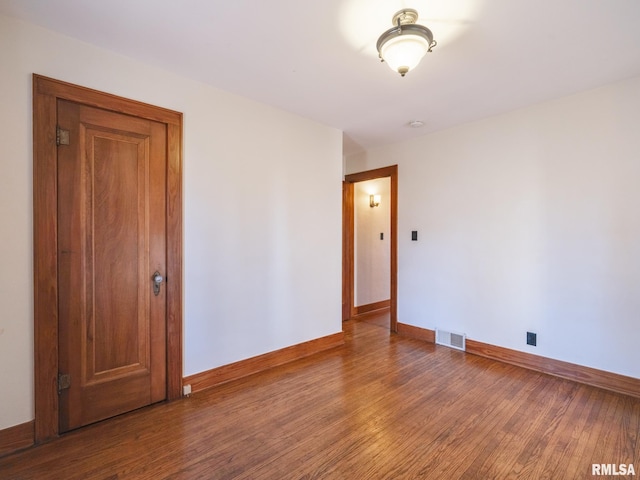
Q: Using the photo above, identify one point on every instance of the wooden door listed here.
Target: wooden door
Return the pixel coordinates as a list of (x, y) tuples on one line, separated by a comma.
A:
[(111, 240)]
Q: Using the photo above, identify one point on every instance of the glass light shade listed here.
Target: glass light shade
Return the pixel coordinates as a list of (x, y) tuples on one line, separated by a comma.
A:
[(403, 46), (404, 52)]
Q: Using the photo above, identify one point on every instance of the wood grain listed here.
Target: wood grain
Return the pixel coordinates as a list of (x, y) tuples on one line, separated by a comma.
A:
[(45, 263), (250, 366), (46, 93), (111, 236), (348, 231), (53, 88), (16, 438), (393, 287), (372, 307), (174, 259), (381, 406), (418, 333), (577, 373)]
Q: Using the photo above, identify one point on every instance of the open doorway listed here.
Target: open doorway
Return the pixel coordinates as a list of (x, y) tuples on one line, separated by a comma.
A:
[(372, 245), (362, 284)]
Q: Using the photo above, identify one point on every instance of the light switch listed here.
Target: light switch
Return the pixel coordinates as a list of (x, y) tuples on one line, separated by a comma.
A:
[(414, 235)]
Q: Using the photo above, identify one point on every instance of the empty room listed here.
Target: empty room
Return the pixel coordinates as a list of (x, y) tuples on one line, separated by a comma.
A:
[(344, 239)]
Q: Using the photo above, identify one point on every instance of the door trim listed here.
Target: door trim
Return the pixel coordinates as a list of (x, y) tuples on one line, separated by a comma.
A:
[(348, 308), (46, 93)]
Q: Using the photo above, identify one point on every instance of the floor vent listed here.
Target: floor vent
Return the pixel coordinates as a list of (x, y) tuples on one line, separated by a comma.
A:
[(449, 339)]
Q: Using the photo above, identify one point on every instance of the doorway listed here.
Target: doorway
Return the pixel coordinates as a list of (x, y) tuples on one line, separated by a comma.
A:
[(107, 255), (348, 240)]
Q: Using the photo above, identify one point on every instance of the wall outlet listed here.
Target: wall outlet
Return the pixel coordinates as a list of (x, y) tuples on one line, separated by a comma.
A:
[(186, 390), (532, 338)]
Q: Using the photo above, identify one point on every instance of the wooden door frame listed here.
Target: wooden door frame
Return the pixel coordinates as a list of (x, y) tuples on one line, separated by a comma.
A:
[(348, 229), (46, 93)]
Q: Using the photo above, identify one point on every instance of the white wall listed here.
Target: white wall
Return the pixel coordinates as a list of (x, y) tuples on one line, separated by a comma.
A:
[(262, 255), (527, 221), (372, 256)]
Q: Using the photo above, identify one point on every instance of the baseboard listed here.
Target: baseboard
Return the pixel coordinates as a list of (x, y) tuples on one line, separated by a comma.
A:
[(16, 438), (590, 376), (577, 373), (418, 333), (372, 307), (243, 368)]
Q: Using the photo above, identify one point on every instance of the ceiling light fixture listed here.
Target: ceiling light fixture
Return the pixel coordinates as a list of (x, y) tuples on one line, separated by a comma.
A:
[(403, 46)]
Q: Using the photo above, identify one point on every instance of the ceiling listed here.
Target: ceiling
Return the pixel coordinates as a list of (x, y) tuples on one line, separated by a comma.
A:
[(318, 58)]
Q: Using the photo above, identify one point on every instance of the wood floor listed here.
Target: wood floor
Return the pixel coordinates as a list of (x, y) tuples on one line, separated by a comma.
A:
[(381, 407)]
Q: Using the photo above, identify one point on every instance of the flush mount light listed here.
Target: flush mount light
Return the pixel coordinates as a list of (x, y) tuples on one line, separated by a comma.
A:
[(403, 46), (416, 124)]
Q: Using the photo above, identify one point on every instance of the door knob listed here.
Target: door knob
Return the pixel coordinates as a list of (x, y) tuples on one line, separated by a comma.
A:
[(157, 281)]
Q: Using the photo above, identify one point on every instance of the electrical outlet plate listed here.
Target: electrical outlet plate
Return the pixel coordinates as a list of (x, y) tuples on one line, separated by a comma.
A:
[(532, 339)]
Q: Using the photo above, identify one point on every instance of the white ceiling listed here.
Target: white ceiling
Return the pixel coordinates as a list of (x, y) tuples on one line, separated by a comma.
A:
[(318, 58)]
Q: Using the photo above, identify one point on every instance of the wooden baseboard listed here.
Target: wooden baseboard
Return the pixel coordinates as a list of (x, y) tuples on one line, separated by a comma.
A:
[(16, 438), (577, 373), (418, 333), (372, 307), (590, 376), (243, 368)]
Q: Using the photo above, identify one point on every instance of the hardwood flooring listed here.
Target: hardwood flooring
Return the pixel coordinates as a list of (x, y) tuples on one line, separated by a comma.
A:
[(380, 407)]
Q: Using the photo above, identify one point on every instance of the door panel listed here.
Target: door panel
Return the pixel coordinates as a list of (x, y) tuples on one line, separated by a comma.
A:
[(111, 238)]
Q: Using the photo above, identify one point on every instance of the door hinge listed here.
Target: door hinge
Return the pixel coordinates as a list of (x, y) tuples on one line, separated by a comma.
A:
[(64, 381), (62, 136)]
